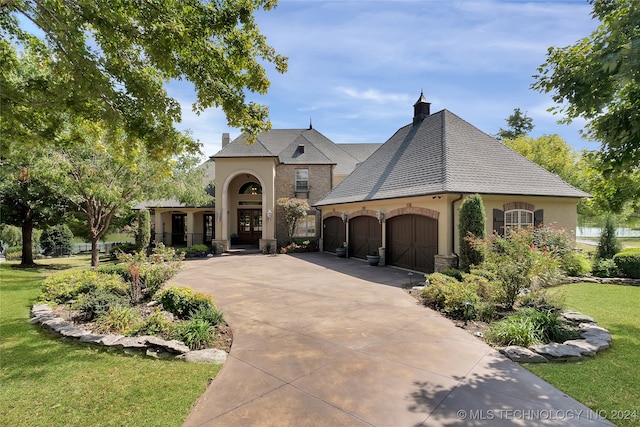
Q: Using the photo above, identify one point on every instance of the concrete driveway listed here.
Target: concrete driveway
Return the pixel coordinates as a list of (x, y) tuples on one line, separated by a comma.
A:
[(323, 341)]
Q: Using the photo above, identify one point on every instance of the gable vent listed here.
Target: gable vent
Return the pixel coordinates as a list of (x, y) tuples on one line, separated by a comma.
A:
[(301, 148)]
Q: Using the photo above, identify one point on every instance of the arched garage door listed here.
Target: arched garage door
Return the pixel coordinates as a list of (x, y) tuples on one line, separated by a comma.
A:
[(412, 242), (365, 236), (334, 233)]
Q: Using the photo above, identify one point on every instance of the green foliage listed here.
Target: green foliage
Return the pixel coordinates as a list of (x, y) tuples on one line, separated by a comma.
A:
[(62, 287), (294, 210), (98, 301), (119, 320), (57, 240), (156, 324), (110, 63), (183, 301), (195, 333), (608, 245), (143, 232), (126, 247), (455, 298), (452, 272), (194, 250), (529, 326), (596, 79), (13, 253), (542, 300), (628, 262), (516, 263), (10, 235), (553, 154), (604, 267), (472, 225), (209, 314), (576, 264), (518, 125)]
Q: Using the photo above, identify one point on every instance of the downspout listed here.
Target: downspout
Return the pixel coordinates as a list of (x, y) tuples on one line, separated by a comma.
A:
[(453, 228)]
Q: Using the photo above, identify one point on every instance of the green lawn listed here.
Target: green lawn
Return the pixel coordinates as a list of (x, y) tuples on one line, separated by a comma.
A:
[(608, 382), (50, 382)]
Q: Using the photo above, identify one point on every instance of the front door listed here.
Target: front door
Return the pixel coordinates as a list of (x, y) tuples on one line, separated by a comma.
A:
[(178, 230), (209, 228), (249, 226)]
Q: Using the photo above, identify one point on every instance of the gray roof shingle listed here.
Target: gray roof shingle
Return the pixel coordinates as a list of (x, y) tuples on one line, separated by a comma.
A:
[(445, 154), (284, 143)]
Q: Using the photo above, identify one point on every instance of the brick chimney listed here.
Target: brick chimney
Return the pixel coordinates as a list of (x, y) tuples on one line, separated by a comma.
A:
[(225, 139)]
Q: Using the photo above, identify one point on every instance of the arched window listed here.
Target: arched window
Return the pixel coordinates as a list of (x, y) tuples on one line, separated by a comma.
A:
[(517, 218), (250, 188)]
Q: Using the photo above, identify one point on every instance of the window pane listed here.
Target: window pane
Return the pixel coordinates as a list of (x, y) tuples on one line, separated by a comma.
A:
[(302, 180)]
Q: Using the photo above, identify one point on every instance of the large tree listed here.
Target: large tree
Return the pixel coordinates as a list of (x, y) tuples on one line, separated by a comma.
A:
[(27, 199), (110, 60), (101, 179), (552, 153), (598, 79)]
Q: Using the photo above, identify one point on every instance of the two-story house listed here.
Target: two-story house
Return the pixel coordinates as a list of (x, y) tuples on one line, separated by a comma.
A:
[(249, 178)]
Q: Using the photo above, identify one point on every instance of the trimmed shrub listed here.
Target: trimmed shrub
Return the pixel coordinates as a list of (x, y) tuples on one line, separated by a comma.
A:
[(194, 250), (196, 334), (472, 225), (183, 301), (119, 269), (56, 241), (575, 263), (604, 267), (98, 302), (125, 248), (451, 296), (65, 286), (628, 262)]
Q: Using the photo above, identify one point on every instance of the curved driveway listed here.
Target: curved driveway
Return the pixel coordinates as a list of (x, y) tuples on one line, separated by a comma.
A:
[(322, 341)]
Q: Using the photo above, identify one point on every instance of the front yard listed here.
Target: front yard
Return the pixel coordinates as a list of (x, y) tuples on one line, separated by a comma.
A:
[(608, 382), (47, 381)]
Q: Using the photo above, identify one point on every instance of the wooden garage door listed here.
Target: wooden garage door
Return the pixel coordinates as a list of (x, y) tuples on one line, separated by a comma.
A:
[(365, 236), (412, 242), (334, 233)]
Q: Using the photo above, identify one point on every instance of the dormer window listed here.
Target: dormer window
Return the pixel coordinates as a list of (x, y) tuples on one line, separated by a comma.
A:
[(302, 180)]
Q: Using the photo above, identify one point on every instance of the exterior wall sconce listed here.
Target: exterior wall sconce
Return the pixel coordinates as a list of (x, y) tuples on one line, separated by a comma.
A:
[(344, 216), (219, 215), (269, 214), (380, 216)]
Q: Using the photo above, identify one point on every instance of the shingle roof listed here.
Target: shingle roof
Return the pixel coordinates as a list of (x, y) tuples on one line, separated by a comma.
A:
[(360, 151), (284, 144), (445, 154)]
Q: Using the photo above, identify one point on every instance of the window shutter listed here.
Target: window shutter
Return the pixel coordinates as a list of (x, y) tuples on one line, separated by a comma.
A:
[(498, 221), (538, 218)]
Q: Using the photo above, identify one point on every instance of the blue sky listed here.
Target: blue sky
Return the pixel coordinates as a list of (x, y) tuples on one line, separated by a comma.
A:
[(356, 67)]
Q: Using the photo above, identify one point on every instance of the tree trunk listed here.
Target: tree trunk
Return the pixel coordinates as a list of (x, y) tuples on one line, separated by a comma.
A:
[(27, 235), (95, 251)]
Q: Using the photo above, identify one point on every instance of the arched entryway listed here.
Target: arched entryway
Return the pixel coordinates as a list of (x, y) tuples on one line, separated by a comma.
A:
[(365, 236), (412, 242)]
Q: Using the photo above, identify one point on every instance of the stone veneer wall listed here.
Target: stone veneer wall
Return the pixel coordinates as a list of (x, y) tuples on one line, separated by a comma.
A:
[(444, 262)]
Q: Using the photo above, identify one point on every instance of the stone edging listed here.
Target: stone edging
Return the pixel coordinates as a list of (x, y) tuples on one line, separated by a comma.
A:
[(594, 339), (146, 345), (604, 280)]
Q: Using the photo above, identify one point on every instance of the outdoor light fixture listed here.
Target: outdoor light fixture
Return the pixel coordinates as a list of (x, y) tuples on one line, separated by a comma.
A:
[(344, 216), (218, 215), (269, 214), (380, 216)]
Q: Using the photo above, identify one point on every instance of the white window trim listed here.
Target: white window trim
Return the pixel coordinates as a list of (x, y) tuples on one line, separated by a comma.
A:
[(297, 181), (519, 223)]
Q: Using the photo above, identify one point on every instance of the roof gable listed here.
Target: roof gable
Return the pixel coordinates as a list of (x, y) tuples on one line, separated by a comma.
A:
[(445, 154)]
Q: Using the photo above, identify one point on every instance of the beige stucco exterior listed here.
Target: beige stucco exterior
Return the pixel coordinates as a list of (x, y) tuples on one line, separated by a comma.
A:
[(559, 212)]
